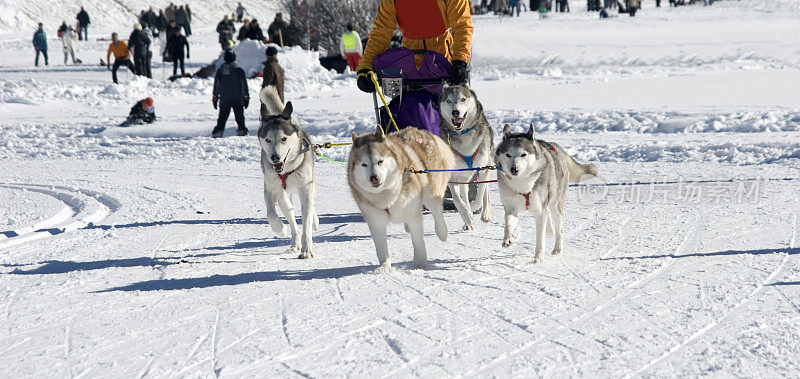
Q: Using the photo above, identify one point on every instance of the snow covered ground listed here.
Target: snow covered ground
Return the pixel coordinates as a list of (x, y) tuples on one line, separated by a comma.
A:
[(145, 252)]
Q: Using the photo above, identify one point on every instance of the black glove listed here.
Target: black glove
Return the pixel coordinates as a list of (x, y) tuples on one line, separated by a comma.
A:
[(364, 80), (246, 102), (458, 73)]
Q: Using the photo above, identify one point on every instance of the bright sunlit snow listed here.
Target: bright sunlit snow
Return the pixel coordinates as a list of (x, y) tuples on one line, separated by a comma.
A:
[(145, 252)]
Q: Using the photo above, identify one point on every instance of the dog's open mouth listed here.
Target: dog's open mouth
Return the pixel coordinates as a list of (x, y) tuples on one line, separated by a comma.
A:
[(278, 167), (457, 121)]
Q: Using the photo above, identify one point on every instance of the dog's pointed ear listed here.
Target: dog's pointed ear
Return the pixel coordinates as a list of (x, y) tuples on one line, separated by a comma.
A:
[(287, 111), (355, 137), (530, 132), (379, 133), (506, 130)]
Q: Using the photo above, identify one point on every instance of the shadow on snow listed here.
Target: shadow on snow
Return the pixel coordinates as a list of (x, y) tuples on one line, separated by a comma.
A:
[(323, 219)]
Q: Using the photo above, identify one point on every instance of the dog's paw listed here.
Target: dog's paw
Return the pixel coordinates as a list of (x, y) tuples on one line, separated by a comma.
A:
[(293, 250), (508, 242), (278, 227), (556, 252), (486, 218), (421, 265), (306, 255), (468, 227), (384, 268), (441, 232), (536, 260), (537, 257)]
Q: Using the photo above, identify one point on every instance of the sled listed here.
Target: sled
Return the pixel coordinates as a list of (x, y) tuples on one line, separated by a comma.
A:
[(415, 94), (414, 89)]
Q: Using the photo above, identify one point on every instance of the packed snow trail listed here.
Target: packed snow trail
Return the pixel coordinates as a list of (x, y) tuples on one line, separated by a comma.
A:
[(685, 264)]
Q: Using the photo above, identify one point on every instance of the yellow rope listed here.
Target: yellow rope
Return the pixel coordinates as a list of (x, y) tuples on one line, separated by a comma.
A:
[(383, 99)]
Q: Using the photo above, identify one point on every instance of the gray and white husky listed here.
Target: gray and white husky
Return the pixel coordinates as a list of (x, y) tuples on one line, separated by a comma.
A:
[(534, 178), (464, 127), (385, 192), (287, 162)]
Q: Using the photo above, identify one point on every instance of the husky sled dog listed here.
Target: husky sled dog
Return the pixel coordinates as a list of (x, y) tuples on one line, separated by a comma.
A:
[(466, 130), (385, 191), (287, 162), (534, 178)]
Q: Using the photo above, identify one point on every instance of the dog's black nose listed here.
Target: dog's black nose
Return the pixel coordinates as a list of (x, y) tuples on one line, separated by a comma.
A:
[(275, 157), (374, 180), (455, 112), (514, 170)]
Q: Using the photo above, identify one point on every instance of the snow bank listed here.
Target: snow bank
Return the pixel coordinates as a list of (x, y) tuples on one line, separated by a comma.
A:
[(302, 66)]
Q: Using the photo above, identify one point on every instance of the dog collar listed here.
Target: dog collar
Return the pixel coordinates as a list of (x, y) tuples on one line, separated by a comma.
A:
[(465, 131)]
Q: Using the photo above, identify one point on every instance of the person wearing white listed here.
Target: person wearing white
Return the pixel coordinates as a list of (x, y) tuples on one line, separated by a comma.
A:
[(68, 39)]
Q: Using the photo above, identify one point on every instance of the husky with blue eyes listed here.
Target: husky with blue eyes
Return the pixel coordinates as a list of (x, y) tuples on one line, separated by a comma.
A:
[(287, 162), (386, 191), (533, 177)]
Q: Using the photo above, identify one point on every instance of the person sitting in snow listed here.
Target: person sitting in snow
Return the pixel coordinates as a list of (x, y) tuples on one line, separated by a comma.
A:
[(143, 112)]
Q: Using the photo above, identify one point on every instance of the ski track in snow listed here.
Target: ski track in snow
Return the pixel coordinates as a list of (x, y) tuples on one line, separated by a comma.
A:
[(144, 251)]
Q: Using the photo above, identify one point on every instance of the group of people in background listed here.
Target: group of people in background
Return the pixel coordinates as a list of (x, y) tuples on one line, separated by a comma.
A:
[(279, 31), (68, 35)]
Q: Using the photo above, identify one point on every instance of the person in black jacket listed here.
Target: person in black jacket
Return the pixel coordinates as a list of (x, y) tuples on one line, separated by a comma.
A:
[(160, 23), (230, 91), (175, 47), (83, 25), (139, 46), (143, 112), (277, 30), (254, 32), (182, 18), (225, 29)]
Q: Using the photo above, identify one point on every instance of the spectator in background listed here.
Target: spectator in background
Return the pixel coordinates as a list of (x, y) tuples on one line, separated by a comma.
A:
[(83, 25), (230, 92), (121, 56), (189, 12), (139, 44), (169, 11), (273, 73), (277, 29), (240, 12), (68, 39), (62, 29), (295, 34), (244, 30), (182, 19), (175, 49), (350, 47), (161, 23), (254, 32), (40, 44), (514, 5), (225, 29)]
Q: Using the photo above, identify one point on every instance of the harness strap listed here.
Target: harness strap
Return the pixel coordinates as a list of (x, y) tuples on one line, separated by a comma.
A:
[(468, 158), (284, 176), (527, 197)]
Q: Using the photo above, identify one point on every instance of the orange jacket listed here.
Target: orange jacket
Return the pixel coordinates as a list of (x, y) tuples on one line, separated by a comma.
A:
[(120, 50), (454, 43)]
